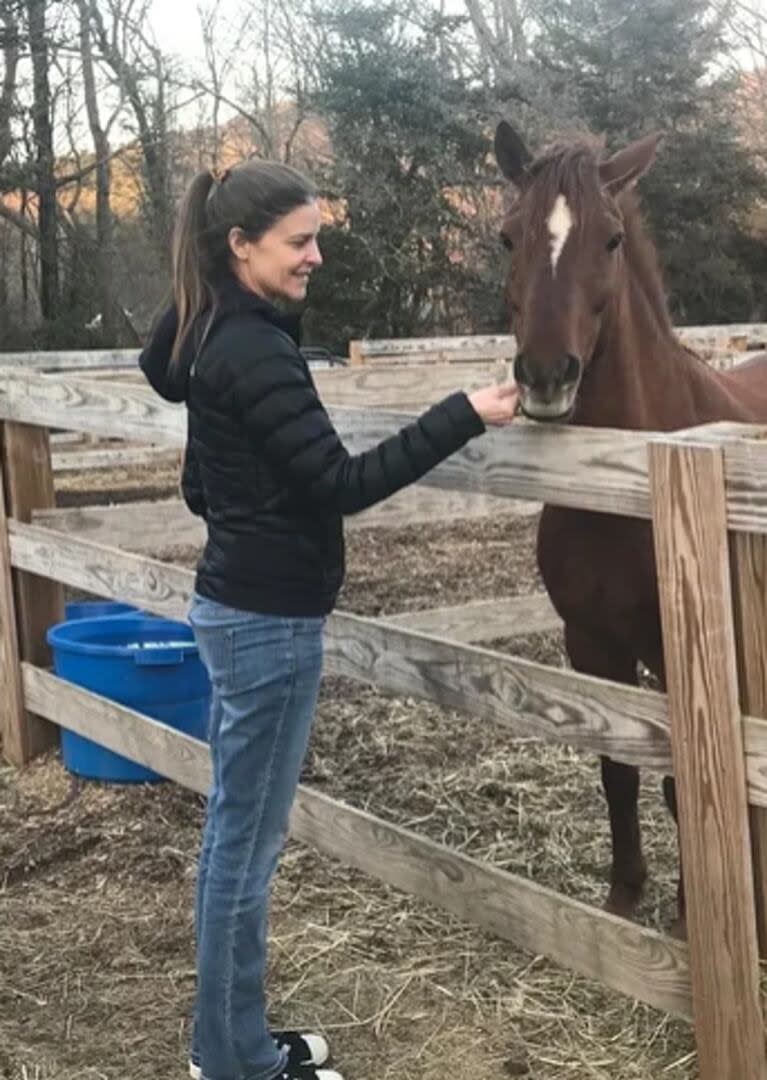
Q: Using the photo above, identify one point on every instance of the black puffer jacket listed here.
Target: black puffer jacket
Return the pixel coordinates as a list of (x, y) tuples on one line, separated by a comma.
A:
[(264, 465)]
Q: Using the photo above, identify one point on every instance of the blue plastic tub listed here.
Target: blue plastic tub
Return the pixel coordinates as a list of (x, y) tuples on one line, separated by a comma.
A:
[(147, 663), (97, 609)]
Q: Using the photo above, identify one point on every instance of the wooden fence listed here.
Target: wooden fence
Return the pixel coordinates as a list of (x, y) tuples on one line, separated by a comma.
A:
[(707, 495), (714, 342)]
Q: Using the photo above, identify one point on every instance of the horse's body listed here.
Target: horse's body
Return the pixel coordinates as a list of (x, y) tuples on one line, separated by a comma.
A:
[(596, 342)]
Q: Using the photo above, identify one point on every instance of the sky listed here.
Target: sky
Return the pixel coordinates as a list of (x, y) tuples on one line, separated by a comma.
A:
[(182, 35)]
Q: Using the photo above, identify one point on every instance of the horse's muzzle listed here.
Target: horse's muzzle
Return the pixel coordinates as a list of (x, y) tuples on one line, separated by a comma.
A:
[(547, 391)]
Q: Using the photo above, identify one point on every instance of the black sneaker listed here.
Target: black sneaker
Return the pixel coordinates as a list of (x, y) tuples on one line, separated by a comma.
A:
[(308, 1072), (305, 1050)]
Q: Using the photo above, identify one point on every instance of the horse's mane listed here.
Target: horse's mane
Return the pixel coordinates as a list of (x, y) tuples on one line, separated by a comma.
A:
[(572, 170)]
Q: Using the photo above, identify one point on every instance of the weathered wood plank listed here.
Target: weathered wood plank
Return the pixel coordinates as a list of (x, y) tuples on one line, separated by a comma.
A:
[(144, 527), (72, 360), (118, 457), (149, 527), (748, 335), (748, 556), (13, 724), (481, 346), (625, 957), (483, 620), (413, 386), (66, 438), (528, 698), (689, 518), (39, 602), (110, 410), (105, 571), (440, 349), (592, 469)]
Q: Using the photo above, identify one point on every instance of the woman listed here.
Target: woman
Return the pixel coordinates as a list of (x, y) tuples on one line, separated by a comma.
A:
[(266, 469)]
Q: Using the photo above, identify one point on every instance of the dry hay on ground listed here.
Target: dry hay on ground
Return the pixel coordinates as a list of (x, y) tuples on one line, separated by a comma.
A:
[(96, 883)]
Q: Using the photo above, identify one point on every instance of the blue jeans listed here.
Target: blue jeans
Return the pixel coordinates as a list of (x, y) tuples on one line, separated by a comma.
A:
[(265, 673)]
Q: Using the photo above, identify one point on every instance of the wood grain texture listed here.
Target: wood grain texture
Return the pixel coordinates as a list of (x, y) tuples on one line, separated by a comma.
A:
[(625, 957), (73, 360), (13, 724), (483, 620), (115, 458), (158, 587), (39, 602), (436, 350), (150, 526), (110, 410), (528, 698), (411, 386), (591, 469), (689, 517), (748, 557)]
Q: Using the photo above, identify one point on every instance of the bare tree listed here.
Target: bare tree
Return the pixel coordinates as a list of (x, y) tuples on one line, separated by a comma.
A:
[(10, 49), (502, 31), (271, 95), (743, 25), (47, 210), (140, 70), (104, 253)]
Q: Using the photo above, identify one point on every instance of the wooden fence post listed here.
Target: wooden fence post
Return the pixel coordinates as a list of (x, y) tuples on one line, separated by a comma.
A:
[(28, 485), (749, 577), (690, 525), (356, 359), (12, 722)]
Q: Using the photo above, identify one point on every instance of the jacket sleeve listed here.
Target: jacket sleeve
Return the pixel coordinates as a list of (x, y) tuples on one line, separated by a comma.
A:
[(286, 420)]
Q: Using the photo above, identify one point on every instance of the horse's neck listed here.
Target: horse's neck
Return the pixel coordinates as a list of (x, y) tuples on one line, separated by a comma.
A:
[(640, 377)]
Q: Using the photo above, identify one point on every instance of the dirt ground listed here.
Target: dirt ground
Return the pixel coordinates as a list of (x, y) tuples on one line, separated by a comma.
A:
[(96, 881)]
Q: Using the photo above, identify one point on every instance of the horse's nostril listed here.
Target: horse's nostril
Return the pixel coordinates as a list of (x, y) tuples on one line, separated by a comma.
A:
[(572, 369)]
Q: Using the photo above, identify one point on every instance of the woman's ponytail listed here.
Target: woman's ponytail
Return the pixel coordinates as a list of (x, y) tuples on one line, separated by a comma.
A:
[(190, 288)]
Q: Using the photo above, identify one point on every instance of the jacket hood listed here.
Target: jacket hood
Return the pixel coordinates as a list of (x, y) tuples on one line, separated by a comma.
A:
[(171, 380)]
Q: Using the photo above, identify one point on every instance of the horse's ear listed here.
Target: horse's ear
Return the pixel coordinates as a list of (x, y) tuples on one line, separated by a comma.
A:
[(512, 155), (623, 169)]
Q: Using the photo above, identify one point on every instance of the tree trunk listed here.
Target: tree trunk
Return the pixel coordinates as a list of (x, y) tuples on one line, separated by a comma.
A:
[(105, 253), (44, 161), (151, 122)]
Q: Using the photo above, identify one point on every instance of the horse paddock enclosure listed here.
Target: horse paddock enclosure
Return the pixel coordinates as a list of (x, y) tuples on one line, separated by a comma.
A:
[(425, 771)]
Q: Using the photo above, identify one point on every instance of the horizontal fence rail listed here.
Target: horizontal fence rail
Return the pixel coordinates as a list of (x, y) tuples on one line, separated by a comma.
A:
[(735, 336), (584, 468), (527, 698), (638, 962), (148, 526)]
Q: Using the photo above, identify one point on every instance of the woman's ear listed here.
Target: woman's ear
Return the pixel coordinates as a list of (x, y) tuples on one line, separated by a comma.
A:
[(238, 243)]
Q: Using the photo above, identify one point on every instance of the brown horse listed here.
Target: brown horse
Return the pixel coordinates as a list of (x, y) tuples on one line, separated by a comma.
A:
[(597, 348)]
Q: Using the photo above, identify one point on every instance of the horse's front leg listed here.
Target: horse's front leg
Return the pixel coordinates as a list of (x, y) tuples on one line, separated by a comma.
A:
[(593, 655)]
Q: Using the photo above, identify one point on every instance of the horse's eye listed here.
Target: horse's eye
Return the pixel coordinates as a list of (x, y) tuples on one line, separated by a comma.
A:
[(506, 242), (614, 241)]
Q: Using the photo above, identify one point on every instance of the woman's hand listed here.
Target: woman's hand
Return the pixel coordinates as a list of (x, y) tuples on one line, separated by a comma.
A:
[(496, 405)]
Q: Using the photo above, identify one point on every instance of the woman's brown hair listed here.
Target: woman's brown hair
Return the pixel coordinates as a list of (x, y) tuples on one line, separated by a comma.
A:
[(252, 196)]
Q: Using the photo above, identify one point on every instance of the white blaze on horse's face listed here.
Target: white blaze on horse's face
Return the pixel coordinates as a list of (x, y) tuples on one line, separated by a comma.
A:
[(560, 223)]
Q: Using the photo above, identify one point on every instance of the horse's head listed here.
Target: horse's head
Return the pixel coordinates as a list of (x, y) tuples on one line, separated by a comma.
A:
[(564, 229)]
